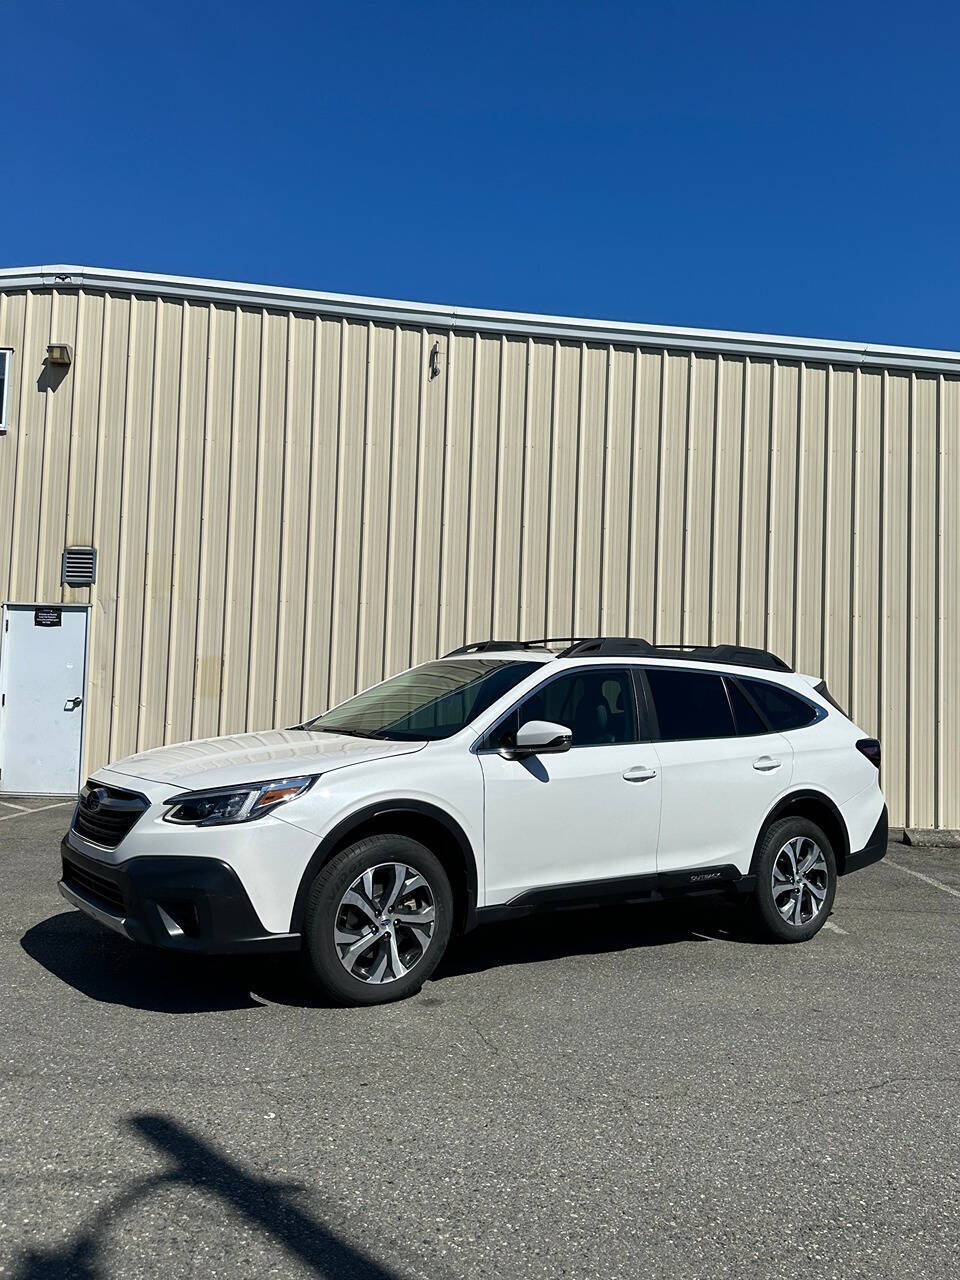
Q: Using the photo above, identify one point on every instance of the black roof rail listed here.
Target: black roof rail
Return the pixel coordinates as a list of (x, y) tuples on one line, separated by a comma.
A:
[(736, 655), (500, 646), (610, 647)]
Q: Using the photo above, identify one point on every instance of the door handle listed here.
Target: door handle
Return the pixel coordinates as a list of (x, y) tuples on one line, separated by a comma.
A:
[(71, 704), (639, 773), (766, 764)]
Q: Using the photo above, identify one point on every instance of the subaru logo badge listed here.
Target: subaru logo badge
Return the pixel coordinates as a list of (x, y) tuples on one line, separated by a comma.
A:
[(95, 799)]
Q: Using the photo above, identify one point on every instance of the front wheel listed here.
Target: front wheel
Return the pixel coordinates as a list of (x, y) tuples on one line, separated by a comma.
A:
[(796, 880), (377, 920)]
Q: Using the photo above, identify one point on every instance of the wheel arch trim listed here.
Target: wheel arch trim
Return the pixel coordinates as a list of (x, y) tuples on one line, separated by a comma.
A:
[(373, 813), (787, 804)]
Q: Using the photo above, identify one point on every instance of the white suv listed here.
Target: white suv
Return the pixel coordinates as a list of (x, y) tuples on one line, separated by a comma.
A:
[(499, 779)]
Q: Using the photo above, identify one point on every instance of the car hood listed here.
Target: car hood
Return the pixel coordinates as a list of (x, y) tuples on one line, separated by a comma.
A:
[(255, 757)]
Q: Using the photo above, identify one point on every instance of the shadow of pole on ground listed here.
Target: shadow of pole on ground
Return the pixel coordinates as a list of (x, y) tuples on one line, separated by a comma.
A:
[(267, 1204)]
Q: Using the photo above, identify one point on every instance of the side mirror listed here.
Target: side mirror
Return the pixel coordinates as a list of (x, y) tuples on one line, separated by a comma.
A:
[(541, 737)]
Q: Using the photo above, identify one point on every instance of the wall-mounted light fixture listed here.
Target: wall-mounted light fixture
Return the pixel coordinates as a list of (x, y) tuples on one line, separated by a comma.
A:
[(59, 353), (435, 361)]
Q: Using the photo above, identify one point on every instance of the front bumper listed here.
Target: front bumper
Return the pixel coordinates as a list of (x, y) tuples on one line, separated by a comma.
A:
[(182, 903), (873, 850)]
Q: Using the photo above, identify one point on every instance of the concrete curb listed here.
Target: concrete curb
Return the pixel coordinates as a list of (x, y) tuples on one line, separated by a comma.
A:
[(924, 837)]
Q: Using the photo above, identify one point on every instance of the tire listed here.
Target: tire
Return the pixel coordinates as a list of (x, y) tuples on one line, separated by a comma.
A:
[(350, 901), (785, 850)]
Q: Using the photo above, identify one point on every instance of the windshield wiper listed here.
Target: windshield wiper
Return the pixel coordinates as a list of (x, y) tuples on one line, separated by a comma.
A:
[(307, 727), (349, 733)]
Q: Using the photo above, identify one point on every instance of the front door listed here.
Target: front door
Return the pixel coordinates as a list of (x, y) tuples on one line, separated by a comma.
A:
[(42, 664), (590, 813)]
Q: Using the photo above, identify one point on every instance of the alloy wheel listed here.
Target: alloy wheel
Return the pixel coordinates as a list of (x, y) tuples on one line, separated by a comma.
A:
[(385, 922), (800, 880)]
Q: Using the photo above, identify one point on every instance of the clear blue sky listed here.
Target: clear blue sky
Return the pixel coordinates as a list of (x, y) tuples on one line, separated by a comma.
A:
[(792, 168)]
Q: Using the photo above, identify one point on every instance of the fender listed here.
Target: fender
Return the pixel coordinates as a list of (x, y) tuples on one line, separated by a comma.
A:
[(374, 813), (786, 803)]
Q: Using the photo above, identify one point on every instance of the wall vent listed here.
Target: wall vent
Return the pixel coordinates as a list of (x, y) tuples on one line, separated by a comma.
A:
[(78, 566)]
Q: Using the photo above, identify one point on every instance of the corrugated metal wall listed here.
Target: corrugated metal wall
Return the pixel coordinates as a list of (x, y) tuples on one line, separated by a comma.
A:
[(289, 506)]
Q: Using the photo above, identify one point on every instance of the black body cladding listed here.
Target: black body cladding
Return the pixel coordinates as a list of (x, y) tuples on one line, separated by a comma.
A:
[(202, 897)]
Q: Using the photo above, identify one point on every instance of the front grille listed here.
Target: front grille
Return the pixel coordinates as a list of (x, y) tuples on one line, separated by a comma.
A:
[(105, 814), (92, 883)]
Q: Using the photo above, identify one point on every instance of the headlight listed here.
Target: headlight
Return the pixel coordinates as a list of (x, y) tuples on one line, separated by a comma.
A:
[(234, 804)]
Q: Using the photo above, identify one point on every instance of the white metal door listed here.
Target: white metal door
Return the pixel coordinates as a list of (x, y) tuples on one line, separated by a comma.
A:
[(42, 688), (716, 793), (562, 819)]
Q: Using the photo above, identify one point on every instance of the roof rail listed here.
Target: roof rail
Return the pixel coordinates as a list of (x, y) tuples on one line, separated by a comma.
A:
[(628, 646), (736, 655), (610, 647), (501, 646)]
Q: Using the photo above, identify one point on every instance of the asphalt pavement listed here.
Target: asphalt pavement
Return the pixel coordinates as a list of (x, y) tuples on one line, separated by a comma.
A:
[(642, 1092)]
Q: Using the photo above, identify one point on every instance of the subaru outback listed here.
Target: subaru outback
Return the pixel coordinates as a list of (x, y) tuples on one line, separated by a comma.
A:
[(503, 778)]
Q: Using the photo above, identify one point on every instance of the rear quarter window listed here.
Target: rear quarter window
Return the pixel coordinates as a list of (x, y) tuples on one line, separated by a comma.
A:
[(750, 723), (780, 708)]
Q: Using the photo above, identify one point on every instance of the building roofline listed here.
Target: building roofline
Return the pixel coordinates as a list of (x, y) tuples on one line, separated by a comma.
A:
[(439, 316)]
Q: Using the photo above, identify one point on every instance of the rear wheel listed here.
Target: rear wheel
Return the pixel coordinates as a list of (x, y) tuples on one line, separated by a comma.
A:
[(378, 919), (796, 880)]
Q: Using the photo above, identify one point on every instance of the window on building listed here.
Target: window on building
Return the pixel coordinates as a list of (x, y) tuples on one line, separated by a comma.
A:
[(690, 704), (782, 709)]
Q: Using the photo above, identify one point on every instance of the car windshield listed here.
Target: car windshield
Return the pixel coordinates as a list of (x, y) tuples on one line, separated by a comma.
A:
[(429, 702)]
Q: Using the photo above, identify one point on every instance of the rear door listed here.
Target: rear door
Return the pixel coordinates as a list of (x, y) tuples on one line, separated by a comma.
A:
[(590, 813), (721, 769)]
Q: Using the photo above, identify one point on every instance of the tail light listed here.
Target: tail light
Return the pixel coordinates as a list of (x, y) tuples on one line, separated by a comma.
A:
[(870, 748)]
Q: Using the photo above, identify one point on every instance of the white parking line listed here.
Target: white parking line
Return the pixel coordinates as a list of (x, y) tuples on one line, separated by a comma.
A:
[(24, 813), (834, 928), (8, 804), (897, 866)]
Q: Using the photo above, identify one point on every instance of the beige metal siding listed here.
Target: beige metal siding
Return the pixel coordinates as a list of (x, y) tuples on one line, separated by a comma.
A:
[(947, 640), (288, 506)]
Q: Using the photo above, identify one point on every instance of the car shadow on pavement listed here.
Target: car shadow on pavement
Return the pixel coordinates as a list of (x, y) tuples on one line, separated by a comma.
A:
[(274, 1208), (579, 931), (106, 967)]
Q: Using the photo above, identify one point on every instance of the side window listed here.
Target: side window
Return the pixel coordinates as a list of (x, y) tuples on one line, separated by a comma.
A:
[(783, 709), (749, 723), (598, 707), (690, 704)]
